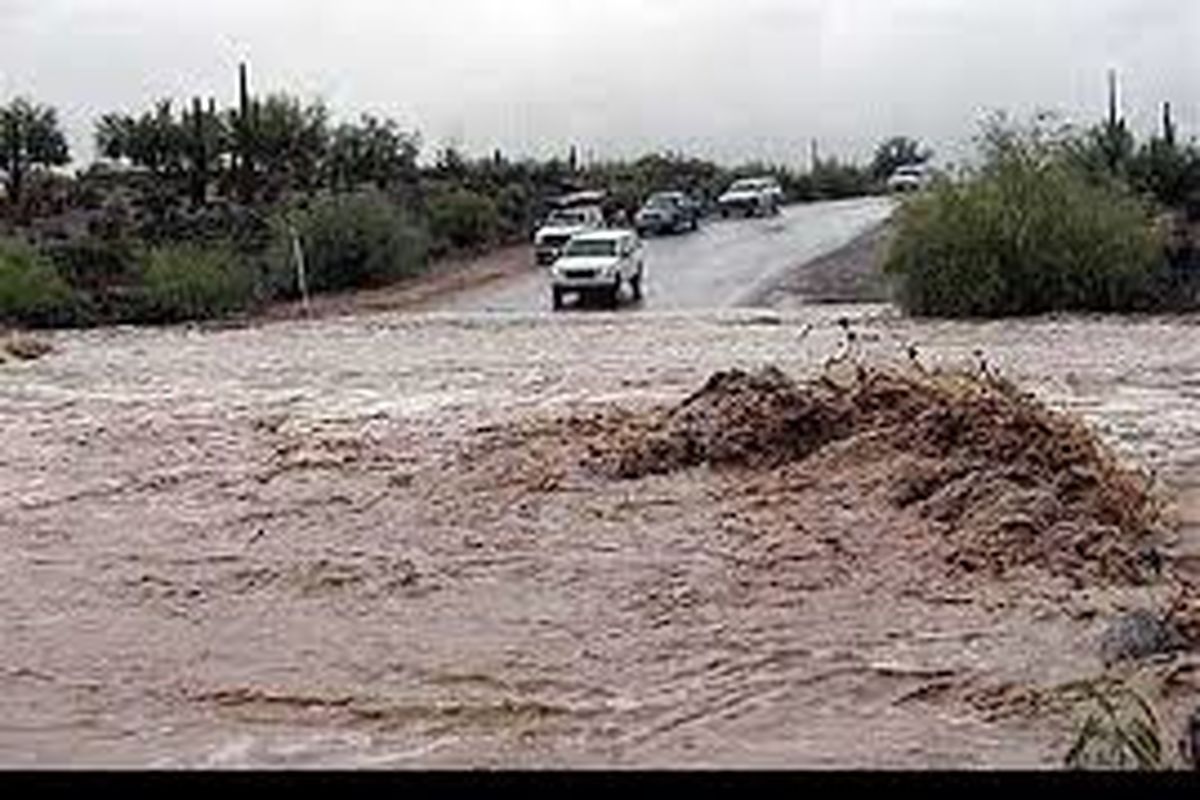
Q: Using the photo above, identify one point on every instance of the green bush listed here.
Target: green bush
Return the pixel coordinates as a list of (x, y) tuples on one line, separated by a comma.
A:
[(355, 241), (1027, 234), (462, 219), (103, 275), (185, 282), (32, 293)]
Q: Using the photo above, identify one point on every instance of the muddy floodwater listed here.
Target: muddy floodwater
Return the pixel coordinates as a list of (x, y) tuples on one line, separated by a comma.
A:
[(368, 542)]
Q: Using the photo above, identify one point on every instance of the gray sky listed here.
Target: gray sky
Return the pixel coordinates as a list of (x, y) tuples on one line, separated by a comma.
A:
[(727, 79)]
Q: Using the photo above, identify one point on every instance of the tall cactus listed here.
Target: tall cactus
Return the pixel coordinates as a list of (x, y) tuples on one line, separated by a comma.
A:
[(245, 164), (199, 155), (1113, 108), (1168, 125)]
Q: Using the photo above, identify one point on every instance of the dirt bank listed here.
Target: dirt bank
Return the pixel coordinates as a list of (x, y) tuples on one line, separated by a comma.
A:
[(851, 274), (444, 279)]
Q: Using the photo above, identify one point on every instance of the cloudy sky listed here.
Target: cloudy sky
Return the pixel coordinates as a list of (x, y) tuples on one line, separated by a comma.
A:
[(727, 79)]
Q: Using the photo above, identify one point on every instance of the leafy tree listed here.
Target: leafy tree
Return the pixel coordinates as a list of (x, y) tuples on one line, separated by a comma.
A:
[(372, 151), (288, 142), (899, 151), (1027, 232), (30, 138), (1168, 172), (155, 140)]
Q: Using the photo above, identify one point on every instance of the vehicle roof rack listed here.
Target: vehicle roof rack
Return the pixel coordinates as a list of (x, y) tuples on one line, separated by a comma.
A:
[(577, 199)]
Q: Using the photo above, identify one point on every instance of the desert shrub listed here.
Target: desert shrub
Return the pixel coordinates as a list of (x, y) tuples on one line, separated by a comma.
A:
[(461, 219), (186, 282), (1025, 234), (356, 241), (103, 274), (92, 264), (32, 293), (514, 205)]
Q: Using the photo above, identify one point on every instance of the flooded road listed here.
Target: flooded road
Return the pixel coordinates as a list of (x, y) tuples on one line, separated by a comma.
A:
[(723, 264), (365, 542)]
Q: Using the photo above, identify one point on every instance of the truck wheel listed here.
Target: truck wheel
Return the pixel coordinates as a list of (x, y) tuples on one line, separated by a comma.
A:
[(695, 224), (635, 285), (614, 295), (557, 298)]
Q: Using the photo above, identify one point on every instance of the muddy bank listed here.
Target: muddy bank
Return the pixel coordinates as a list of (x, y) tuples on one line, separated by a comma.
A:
[(444, 280), (387, 542), (851, 274)]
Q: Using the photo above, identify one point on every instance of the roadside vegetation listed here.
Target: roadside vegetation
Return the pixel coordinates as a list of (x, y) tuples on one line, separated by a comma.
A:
[(199, 211), (1054, 219)]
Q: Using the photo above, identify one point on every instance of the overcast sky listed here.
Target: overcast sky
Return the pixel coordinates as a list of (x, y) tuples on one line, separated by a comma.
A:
[(727, 79)]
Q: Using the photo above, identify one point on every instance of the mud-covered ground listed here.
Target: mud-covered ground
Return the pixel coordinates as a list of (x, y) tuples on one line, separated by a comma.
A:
[(377, 542)]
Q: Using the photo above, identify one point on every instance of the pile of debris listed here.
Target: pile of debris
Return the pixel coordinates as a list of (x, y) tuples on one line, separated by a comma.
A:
[(23, 347), (1002, 480)]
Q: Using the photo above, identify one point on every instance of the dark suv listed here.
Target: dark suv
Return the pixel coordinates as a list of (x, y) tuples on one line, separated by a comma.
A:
[(667, 212)]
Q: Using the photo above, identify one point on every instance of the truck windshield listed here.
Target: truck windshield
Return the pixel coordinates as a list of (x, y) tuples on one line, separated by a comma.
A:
[(566, 218), (591, 248), (663, 201)]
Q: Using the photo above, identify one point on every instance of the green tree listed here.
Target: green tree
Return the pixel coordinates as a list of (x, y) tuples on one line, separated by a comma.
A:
[(289, 140), (1027, 232), (899, 151), (372, 151), (30, 139), (156, 140)]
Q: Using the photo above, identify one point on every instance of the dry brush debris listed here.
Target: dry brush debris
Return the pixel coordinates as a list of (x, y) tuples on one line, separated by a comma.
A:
[(1002, 478)]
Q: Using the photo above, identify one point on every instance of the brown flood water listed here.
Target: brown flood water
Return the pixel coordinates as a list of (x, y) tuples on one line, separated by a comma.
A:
[(367, 543)]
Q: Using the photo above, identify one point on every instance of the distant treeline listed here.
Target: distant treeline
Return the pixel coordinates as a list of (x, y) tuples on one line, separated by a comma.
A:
[(196, 210)]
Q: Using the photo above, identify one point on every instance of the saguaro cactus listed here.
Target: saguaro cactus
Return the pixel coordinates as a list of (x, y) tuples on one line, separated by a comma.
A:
[(199, 154), (1168, 125), (244, 135)]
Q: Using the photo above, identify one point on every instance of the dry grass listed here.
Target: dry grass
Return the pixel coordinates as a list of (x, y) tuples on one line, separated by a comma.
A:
[(1121, 731)]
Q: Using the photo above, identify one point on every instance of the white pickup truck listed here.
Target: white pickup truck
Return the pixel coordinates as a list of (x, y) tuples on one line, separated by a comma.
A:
[(560, 226)]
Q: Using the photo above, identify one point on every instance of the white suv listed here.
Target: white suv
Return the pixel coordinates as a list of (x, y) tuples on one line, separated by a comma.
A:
[(599, 263), (560, 226), (751, 196), (909, 178)]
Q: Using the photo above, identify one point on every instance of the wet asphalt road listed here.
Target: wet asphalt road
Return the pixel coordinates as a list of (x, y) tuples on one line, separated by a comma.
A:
[(724, 264)]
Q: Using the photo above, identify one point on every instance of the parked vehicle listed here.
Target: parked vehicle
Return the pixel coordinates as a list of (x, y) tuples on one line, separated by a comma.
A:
[(751, 197), (909, 178), (667, 212), (599, 263), (560, 226)]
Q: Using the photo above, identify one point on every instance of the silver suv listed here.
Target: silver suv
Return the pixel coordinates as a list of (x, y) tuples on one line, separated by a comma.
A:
[(667, 212), (751, 197)]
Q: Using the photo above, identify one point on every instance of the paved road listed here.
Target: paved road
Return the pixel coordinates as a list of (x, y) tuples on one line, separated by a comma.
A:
[(724, 264)]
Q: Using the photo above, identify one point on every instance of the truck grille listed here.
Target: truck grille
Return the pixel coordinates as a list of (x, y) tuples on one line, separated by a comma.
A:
[(579, 274)]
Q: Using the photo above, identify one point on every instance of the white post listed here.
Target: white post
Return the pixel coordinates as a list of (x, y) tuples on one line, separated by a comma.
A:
[(301, 274)]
